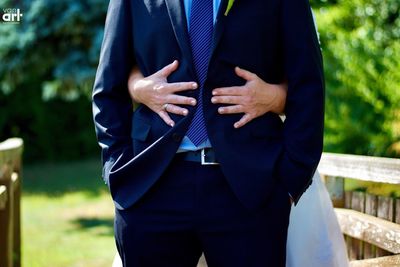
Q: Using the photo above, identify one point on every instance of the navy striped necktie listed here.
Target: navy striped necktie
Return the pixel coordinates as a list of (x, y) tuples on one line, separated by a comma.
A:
[(201, 31)]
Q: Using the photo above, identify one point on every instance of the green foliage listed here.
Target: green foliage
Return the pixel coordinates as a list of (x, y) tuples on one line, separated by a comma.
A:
[(52, 130), (55, 48), (360, 42), (47, 72), (48, 64)]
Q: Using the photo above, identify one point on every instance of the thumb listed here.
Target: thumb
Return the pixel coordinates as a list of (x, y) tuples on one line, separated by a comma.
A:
[(167, 70), (245, 74)]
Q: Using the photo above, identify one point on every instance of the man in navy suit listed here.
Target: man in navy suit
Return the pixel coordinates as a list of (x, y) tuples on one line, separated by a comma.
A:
[(200, 184)]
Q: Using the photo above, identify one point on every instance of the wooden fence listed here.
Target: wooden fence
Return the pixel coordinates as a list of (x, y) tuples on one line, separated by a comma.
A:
[(10, 207), (371, 223)]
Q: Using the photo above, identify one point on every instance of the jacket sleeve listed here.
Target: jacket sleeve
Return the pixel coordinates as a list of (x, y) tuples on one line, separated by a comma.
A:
[(112, 106), (303, 127)]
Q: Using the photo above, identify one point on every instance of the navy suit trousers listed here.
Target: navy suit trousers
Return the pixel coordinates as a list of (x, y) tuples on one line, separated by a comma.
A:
[(191, 209)]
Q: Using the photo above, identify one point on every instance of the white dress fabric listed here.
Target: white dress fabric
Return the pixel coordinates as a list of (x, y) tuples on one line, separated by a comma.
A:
[(314, 235)]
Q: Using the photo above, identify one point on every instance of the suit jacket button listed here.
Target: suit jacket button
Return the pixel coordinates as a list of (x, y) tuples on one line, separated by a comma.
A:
[(176, 137)]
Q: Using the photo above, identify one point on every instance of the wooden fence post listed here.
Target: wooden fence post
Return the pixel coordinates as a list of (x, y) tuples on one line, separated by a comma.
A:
[(335, 187), (3, 197), (371, 208), (347, 205), (348, 239), (397, 210), (3, 225), (17, 178), (385, 211), (6, 220), (358, 204), (10, 165)]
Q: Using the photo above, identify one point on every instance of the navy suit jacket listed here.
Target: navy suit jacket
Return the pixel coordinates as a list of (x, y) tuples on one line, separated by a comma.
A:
[(275, 39)]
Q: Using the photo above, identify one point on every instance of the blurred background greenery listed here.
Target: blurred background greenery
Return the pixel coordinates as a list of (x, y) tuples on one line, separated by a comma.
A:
[(361, 46), (48, 63), (47, 68)]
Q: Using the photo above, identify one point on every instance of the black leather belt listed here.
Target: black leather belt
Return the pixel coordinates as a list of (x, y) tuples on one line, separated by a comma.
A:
[(205, 156)]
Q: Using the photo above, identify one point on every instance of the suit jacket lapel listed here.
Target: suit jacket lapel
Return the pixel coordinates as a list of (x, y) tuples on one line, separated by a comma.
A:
[(176, 12), (219, 25)]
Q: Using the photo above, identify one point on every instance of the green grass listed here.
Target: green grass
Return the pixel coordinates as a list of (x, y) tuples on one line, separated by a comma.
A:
[(67, 216)]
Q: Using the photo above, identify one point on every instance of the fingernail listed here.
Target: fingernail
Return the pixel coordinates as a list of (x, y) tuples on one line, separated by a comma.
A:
[(236, 125), (185, 112), (194, 85), (214, 92), (171, 124), (221, 110), (193, 102), (213, 100)]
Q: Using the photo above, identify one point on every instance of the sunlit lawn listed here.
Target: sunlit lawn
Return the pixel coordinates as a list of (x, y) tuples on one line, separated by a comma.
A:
[(67, 216)]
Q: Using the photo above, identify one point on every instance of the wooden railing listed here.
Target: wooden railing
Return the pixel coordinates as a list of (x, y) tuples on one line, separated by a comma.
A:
[(10, 206), (371, 223)]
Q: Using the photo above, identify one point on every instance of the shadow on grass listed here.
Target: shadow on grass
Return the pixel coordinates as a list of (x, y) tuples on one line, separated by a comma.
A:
[(57, 179), (99, 226)]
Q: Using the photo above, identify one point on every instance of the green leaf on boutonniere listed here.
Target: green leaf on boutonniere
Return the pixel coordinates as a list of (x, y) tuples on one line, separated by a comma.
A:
[(230, 4)]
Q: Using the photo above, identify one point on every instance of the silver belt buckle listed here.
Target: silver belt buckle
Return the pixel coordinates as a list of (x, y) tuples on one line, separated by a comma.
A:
[(204, 160)]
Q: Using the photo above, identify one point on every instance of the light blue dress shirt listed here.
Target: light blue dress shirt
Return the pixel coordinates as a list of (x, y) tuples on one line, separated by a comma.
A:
[(186, 144)]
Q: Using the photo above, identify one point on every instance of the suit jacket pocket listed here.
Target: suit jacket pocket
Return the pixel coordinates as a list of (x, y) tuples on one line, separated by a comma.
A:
[(267, 126), (140, 130), (140, 134)]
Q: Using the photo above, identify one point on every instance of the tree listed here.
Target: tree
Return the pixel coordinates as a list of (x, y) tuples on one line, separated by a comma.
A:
[(48, 66), (360, 42), (55, 48)]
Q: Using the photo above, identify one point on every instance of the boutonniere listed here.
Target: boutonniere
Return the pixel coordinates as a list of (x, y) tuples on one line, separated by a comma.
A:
[(230, 4)]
